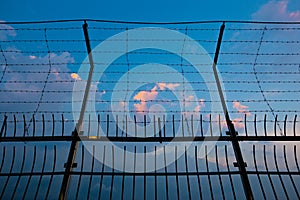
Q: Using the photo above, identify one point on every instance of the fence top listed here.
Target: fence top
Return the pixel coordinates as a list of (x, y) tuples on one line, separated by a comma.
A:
[(150, 22)]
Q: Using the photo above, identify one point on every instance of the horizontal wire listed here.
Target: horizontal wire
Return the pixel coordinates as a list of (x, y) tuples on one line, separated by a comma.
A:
[(146, 82), (134, 111), (155, 53), (147, 101), (170, 64), (152, 40), (158, 72), (147, 90), (124, 28), (150, 22)]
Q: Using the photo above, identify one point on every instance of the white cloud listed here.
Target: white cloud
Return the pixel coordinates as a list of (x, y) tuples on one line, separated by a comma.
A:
[(276, 11), (6, 31)]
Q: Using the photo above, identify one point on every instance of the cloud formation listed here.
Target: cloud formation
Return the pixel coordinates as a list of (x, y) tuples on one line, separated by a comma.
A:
[(241, 108), (75, 76), (6, 31), (143, 97), (276, 11), (170, 86)]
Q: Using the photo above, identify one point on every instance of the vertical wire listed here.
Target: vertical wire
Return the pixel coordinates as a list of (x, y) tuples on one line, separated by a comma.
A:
[(166, 172), (113, 170), (46, 80), (145, 169), (21, 172), (229, 173), (31, 173), (92, 171), (155, 176), (42, 172), (80, 175), (219, 175), (279, 175), (10, 171), (257, 172), (197, 170), (53, 170), (176, 170), (257, 79), (102, 171), (208, 174), (134, 168), (123, 176), (269, 176), (187, 173), (288, 170)]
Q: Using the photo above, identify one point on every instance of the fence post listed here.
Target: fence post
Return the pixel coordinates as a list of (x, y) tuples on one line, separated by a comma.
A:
[(231, 130), (77, 131)]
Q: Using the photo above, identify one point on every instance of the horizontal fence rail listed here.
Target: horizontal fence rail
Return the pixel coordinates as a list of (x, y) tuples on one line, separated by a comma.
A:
[(55, 127)]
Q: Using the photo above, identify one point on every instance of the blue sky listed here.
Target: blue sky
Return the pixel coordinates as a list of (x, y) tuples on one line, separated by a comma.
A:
[(141, 10)]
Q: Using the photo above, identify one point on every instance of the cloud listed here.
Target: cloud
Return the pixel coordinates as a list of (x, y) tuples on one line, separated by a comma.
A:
[(6, 31), (241, 108), (16, 81), (200, 106), (75, 76), (238, 123), (32, 57), (276, 11), (144, 96), (170, 86)]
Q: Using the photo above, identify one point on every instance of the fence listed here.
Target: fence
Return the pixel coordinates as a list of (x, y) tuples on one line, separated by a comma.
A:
[(140, 145)]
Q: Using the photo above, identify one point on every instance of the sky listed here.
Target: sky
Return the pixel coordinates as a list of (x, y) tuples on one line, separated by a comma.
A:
[(158, 11), (146, 10)]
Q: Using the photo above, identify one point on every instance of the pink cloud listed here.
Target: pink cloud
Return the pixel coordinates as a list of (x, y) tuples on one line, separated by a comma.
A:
[(276, 11), (171, 86), (241, 108), (144, 96), (238, 123)]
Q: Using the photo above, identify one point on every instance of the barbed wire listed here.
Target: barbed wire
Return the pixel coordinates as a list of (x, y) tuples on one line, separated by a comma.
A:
[(280, 67), (46, 80), (5, 62)]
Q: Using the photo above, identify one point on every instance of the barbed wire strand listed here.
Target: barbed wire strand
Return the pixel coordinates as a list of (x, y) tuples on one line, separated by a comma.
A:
[(6, 64), (258, 81), (46, 80)]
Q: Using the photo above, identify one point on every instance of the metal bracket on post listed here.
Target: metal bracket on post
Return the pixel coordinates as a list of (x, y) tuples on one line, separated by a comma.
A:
[(231, 130), (78, 129)]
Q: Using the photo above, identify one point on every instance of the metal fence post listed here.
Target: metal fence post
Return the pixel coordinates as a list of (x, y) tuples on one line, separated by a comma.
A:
[(77, 131), (231, 130)]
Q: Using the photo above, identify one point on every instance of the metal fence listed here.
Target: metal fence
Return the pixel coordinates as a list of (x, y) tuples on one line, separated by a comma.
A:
[(248, 149)]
